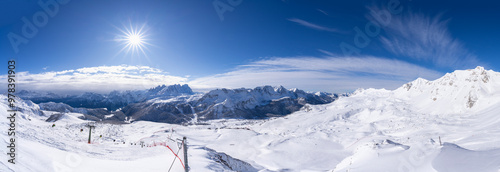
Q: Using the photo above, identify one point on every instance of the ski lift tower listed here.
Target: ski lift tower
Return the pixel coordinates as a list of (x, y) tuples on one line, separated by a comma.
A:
[(90, 129)]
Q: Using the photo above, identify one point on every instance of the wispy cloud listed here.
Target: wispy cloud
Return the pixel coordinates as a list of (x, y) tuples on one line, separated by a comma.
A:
[(313, 26), (100, 79), (324, 12), (334, 74), (328, 53), (425, 38)]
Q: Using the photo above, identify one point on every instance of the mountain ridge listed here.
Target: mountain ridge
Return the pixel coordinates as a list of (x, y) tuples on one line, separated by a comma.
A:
[(179, 104), (242, 103), (111, 101), (456, 92)]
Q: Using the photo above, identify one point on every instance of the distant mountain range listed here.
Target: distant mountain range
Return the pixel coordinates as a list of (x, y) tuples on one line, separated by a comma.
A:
[(112, 101), (257, 103), (179, 104)]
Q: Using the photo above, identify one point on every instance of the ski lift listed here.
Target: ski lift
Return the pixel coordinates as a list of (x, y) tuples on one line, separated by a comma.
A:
[(179, 143)]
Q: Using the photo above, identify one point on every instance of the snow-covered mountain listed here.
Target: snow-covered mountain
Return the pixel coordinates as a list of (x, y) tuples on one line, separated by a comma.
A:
[(459, 92), (94, 114), (257, 103), (179, 104), (172, 90), (28, 95), (112, 101)]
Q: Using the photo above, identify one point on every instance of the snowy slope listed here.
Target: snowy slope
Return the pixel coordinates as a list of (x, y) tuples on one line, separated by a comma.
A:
[(42, 148), (462, 91)]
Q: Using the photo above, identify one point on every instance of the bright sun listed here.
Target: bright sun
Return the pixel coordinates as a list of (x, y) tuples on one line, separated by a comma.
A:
[(133, 39)]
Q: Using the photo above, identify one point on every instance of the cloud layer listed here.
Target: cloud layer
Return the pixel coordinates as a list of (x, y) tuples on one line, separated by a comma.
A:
[(100, 79), (334, 74)]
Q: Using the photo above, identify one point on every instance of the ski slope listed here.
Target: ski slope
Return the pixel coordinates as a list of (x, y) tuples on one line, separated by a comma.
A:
[(450, 124)]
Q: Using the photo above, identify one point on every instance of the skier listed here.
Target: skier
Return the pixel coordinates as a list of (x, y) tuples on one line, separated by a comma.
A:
[(53, 125), (81, 130)]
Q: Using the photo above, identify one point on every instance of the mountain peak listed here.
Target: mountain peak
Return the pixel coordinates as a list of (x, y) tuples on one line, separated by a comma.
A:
[(456, 78), (271, 89), (175, 89), (479, 74), (478, 68), (455, 92)]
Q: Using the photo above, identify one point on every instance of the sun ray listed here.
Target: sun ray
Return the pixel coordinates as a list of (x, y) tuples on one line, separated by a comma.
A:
[(133, 39)]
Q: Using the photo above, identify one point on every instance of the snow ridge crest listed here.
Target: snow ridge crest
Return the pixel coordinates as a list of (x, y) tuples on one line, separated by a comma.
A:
[(466, 88)]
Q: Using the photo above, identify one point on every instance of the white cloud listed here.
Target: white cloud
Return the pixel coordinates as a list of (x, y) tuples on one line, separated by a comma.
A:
[(425, 38), (118, 69), (333, 74), (100, 79), (313, 26)]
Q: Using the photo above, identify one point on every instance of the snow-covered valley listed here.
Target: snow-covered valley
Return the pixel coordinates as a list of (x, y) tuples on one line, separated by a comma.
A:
[(450, 124)]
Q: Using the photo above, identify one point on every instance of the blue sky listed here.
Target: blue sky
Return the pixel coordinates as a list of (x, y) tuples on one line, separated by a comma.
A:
[(243, 43)]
